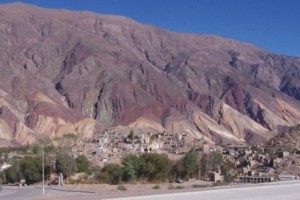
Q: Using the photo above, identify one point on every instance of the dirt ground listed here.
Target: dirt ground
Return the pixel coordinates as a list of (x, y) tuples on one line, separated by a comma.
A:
[(142, 186), (105, 191)]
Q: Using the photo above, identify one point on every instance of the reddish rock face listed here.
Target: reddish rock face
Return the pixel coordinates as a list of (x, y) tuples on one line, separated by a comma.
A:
[(60, 68)]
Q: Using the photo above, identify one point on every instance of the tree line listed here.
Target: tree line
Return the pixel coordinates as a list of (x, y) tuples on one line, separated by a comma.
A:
[(30, 168), (28, 162), (150, 167), (154, 167)]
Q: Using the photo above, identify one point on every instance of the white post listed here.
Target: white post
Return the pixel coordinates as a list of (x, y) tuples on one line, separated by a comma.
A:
[(43, 169)]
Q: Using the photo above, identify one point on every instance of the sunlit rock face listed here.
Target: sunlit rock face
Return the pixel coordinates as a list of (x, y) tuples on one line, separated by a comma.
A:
[(69, 72)]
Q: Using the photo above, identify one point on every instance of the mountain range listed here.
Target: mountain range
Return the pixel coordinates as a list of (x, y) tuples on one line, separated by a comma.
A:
[(73, 72)]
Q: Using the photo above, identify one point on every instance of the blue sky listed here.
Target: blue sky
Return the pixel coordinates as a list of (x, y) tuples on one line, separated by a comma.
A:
[(271, 24)]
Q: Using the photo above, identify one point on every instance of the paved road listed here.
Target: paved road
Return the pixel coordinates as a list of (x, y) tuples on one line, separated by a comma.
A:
[(31, 192), (275, 191)]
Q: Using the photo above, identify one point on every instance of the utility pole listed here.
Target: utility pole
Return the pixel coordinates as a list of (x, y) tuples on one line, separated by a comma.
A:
[(43, 166)]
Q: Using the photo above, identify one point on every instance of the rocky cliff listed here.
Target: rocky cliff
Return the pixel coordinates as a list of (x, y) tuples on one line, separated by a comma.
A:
[(77, 72)]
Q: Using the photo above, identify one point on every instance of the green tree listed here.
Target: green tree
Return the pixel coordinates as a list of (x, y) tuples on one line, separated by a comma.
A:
[(3, 155), (46, 143), (190, 162), (31, 170), (101, 176), (115, 173), (178, 170), (199, 166), (216, 159), (65, 164), (1, 178), (155, 166), (226, 170), (83, 164), (13, 174), (205, 165), (131, 164)]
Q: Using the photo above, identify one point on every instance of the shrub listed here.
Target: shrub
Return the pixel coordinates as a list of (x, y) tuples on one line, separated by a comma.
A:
[(156, 187), (70, 136), (179, 187), (155, 166), (121, 188), (131, 164), (65, 164), (198, 186), (102, 177), (83, 164), (114, 173), (12, 174), (172, 187), (36, 148)]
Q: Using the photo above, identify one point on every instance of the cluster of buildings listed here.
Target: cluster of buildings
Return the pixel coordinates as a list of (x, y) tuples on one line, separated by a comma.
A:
[(260, 163), (252, 164), (277, 160), (110, 147)]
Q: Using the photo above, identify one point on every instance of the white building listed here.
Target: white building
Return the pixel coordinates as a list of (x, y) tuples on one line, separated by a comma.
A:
[(4, 167)]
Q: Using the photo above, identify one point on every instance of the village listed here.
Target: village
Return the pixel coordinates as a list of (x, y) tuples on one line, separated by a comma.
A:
[(111, 147), (265, 162)]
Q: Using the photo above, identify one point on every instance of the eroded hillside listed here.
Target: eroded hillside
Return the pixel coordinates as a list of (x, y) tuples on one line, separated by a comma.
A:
[(76, 72)]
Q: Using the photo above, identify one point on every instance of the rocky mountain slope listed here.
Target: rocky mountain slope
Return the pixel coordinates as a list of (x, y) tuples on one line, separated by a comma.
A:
[(285, 151), (288, 141), (78, 72)]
